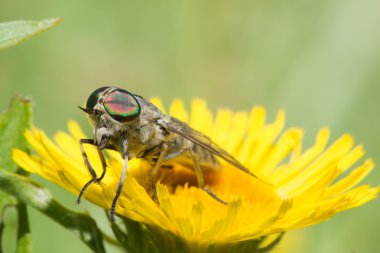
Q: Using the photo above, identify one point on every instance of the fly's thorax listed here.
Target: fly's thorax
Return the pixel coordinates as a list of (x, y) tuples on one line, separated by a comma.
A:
[(145, 137)]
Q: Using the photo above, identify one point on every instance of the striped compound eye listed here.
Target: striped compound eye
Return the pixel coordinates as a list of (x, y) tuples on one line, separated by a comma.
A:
[(94, 97), (122, 106)]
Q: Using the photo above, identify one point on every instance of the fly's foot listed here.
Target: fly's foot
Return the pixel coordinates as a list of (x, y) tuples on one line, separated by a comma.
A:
[(154, 191), (213, 195), (84, 189), (112, 215), (79, 197)]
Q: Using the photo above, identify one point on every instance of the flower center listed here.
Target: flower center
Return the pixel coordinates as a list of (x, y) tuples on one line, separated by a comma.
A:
[(227, 183)]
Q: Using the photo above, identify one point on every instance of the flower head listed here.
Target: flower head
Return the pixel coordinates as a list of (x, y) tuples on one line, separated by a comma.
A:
[(304, 187)]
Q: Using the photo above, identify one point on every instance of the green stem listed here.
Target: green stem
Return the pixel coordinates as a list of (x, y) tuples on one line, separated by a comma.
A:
[(2, 226), (24, 236), (1, 235), (120, 236), (111, 240), (34, 195)]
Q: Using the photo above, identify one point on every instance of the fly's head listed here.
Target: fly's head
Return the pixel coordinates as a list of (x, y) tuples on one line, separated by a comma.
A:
[(111, 110)]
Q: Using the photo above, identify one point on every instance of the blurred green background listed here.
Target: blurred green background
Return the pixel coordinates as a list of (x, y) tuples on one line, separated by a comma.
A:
[(319, 60)]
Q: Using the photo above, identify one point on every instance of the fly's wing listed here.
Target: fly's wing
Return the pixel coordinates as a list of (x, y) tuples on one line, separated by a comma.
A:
[(182, 129)]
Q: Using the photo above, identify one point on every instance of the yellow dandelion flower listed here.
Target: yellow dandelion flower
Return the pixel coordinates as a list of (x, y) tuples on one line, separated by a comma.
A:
[(305, 186)]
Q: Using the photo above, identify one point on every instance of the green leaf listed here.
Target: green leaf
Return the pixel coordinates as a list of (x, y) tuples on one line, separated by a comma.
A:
[(12, 126), (40, 198), (15, 32)]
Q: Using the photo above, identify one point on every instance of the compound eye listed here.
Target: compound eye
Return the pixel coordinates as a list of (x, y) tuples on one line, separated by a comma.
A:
[(122, 106), (94, 97)]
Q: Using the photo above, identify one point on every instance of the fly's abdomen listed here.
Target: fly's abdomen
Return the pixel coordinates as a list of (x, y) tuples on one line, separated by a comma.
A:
[(206, 160), (183, 151)]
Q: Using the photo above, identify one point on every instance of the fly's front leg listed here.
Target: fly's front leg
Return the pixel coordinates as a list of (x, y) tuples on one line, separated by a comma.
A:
[(156, 168), (89, 167), (104, 165), (119, 188), (200, 178), (103, 161)]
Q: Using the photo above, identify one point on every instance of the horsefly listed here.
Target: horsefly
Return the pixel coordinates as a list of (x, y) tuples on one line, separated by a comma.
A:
[(133, 126)]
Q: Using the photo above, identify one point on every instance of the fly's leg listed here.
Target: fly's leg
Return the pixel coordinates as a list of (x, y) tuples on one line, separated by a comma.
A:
[(104, 165), (156, 168), (119, 188), (200, 178), (89, 167)]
